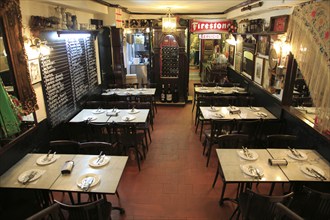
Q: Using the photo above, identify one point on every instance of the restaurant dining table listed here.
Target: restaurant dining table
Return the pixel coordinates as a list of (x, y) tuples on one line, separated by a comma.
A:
[(233, 112), (106, 173), (304, 165), (220, 90), (239, 168), (112, 115), (129, 91)]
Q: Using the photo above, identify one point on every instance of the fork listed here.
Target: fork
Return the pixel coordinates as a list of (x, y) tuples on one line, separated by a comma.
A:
[(29, 177)]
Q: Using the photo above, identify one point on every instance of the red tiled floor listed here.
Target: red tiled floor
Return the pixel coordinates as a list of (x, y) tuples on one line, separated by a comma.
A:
[(174, 182)]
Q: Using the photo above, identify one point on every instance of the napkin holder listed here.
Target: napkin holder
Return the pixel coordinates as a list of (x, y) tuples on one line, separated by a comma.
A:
[(67, 167), (234, 111), (112, 113), (278, 162)]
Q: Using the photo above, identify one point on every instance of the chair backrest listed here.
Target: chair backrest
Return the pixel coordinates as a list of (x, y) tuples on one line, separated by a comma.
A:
[(233, 140), (95, 147), (221, 100), (281, 140), (245, 100), (64, 146), (260, 207), (98, 210), (117, 104), (52, 212), (282, 212), (311, 204), (94, 104), (100, 132), (249, 127), (271, 126)]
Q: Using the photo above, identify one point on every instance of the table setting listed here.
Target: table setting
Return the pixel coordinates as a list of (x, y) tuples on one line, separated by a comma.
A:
[(47, 159), (30, 176), (88, 180)]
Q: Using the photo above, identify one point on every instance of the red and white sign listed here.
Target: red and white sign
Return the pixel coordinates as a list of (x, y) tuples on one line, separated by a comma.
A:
[(210, 25), (118, 17), (209, 36)]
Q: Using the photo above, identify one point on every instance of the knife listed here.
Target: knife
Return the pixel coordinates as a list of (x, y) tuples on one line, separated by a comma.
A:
[(244, 151), (99, 157), (293, 152), (297, 152), (87, 183), (46, 157), (318, 174)]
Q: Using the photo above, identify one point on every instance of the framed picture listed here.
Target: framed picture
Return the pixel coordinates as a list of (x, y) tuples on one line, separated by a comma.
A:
[(34, 70), (266, 77), (279, 23), (263, 45), (258, 70), (231, 56)]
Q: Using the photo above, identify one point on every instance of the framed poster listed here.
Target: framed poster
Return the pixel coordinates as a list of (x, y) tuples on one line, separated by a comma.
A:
[(231, 56), (258, 70), (279, 23), (34, 70), (266, 77), (263, 45)]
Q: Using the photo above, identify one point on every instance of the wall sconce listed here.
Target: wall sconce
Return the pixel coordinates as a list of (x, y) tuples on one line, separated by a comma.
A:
[(231, 40), (169, 23), (35, 47), (282, 47)]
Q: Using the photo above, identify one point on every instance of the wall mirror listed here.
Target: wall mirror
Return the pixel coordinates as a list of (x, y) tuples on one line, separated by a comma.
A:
[(14, 69)]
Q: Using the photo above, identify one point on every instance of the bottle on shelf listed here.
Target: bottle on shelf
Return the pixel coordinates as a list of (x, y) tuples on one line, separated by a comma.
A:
[(175, 95), (162, 94), (169, 93)]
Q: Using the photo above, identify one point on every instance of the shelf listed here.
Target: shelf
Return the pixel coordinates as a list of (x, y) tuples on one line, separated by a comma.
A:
[(92, 32), (169, 77)]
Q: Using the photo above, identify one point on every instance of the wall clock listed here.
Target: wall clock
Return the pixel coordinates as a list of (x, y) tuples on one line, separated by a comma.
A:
[(272, 59)]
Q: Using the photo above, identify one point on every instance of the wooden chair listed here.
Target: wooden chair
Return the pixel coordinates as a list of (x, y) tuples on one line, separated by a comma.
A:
[(245, 100), (95, 147), (64, 146), (205, 100), (269, 127), (94, 104), (98, 210), (281, 140), (228, 141), (52, 212), (117, 104), (129, 139), (223, 100), (284, 213), (311, 204), (249, 127), (260, 207)]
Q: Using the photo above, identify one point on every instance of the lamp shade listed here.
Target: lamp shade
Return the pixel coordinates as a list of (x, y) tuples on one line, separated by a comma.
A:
[(169, 24)]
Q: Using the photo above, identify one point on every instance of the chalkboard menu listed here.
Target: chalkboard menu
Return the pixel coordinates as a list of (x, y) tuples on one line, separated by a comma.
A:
[(69, 74)]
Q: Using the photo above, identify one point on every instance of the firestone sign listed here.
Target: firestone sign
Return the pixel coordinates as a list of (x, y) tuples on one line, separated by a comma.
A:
[(209, 25)]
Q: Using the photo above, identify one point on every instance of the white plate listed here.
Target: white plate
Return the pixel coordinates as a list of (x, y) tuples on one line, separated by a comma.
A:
[(25, 174), (133, 111), (43, 160), (89, 118), (246, 169), (213, 109), (261, 114), (303, 155), (255, 109), (252, 155), (128, 118), (104, 160), (97, 179), (307, 166), (98, 111)]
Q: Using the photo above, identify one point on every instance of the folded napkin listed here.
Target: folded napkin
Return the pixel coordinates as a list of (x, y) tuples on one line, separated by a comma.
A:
[(261, 114)]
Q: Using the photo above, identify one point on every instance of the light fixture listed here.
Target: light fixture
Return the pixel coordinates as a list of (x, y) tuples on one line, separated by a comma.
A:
[(169, 23), (35, 47), (250, 7)]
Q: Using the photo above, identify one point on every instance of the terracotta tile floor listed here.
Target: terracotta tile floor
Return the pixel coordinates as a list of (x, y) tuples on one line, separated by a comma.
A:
[(174, 182)]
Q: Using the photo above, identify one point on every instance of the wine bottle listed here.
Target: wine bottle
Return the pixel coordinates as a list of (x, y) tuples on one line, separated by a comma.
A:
[(169, 93), (162, 94), (175, 94)]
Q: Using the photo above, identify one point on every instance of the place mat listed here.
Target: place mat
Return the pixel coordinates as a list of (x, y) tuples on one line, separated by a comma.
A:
[(297, 155), (98, 111), (133, 111), (252, 170), (81, 181), (96, 162), (248, 154), (312, 170), (128, 118), (30, 176), (44, 160)]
